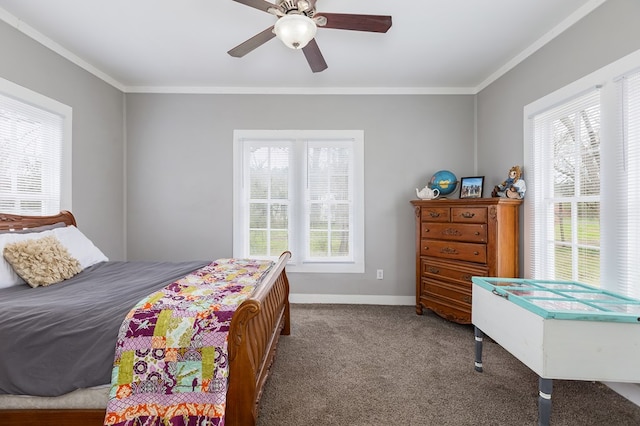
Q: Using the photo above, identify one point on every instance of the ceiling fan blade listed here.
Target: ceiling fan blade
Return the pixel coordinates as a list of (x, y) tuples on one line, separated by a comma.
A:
[(256, 41), (346, 21), (258, 4), (314, 56)]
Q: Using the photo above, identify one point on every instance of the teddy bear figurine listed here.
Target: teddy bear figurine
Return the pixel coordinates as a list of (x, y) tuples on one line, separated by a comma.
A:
[(513, 187)]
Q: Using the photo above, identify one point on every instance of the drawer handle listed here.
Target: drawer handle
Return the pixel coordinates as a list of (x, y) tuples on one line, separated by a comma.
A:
[(476, 253), (466, 277), (451, 231), (468, 215), (477, 233), (449, 250), (434, 214), (434, 270), (466, 299)]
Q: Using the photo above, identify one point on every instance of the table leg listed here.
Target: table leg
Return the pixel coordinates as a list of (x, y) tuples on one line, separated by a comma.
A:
[(545, 387), (479, 336)]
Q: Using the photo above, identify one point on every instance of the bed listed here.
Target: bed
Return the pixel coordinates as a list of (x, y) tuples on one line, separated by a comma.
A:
[(253, 336)]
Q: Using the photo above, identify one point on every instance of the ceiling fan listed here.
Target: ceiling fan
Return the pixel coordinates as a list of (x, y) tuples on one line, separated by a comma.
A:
[(297, 24)]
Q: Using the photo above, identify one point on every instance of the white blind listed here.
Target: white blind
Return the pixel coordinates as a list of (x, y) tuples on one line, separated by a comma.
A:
[(628, 198), (564, 217), (329, 199), (30, 158), (269, 175)]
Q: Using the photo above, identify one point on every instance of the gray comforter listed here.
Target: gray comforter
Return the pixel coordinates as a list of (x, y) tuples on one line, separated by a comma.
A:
[(56, 339)]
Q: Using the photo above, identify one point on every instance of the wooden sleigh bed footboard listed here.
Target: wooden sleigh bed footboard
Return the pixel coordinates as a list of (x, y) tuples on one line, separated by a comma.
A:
[(253, 337)]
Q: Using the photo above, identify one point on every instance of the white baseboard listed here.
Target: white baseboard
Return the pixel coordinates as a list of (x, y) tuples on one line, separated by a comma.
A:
[(631, 391), (352, 299)]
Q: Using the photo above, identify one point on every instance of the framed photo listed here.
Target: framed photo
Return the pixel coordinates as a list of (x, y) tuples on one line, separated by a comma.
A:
[(471, 187)]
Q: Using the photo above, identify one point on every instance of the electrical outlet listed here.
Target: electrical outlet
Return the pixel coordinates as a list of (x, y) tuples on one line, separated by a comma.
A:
[(379, 274)]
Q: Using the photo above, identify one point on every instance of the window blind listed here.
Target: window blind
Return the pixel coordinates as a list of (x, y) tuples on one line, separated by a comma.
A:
[(30, 158), (628, 198), (269, 176), (564, 217), (329, 200)]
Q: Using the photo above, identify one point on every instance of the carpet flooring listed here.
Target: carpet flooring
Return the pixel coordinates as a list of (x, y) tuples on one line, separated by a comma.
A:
[(364, 365)]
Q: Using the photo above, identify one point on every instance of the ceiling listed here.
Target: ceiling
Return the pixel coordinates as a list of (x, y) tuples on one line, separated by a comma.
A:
[(447, 46)]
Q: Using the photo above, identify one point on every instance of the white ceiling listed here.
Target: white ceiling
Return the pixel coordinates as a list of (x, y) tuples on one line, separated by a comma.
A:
[(452, 46)]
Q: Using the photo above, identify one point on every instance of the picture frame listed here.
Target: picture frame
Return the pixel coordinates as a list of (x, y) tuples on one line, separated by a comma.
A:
[(471, 187)]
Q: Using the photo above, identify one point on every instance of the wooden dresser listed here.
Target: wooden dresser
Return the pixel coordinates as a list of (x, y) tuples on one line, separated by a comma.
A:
[(457, 239)]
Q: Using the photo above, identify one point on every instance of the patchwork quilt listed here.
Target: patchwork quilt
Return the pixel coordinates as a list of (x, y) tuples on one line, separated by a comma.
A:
[(171, 365)]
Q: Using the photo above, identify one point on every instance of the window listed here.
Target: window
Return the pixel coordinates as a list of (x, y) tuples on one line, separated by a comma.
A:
[(300, 191), (567, 205), (35, 148), (582, 159)]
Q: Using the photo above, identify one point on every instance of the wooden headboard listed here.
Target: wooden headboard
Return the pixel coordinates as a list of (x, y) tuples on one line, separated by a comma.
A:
[(12, 221)]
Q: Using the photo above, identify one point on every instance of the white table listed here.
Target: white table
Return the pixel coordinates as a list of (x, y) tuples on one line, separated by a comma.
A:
[(560, 330)]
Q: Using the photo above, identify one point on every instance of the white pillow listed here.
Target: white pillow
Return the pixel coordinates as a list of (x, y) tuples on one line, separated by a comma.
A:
[(79, 246)]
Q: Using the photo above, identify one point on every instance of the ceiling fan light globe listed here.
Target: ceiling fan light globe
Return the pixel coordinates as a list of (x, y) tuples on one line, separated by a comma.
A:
[(295, 31)]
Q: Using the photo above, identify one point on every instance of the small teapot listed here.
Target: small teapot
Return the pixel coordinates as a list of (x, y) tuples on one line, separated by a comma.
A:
[(427, 193)]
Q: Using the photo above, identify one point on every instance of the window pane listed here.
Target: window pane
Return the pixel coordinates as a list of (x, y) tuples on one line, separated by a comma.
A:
[(589, 266), (279, 242), (258, 243), (258, 215), (339, 243), (340, 188), (279, 166), (564, 155), (590, 151), (589, 224), (340, 217), (562, 220), (279, 216), (563, 261), (318, 216), (318, 244), (259, 189), (319, 187)]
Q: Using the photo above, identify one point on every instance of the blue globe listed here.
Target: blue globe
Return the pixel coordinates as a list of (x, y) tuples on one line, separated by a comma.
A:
[(445, 181)]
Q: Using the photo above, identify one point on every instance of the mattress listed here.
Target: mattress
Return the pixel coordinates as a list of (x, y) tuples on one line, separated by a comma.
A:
[(63, 336)]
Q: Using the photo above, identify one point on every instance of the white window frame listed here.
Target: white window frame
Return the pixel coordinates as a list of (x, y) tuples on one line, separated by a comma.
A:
[(613, 271), (300, 262), (27, 96)]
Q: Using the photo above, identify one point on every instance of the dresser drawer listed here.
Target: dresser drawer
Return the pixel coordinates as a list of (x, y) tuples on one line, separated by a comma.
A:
[(469, 214), (442, 289), (435, 214), (470, 252), (446, 301), (461, 273), (475, 233)]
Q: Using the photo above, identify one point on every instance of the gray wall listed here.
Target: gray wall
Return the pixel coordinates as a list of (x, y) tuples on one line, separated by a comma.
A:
[(608, 33), (180, 172), (98, 133)]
